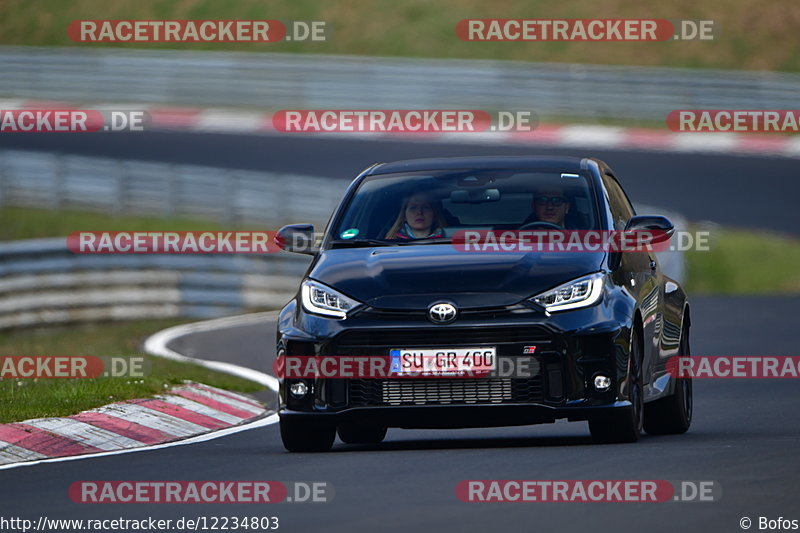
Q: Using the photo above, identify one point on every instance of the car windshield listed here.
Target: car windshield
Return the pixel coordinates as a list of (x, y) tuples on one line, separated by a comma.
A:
[(430, 207)]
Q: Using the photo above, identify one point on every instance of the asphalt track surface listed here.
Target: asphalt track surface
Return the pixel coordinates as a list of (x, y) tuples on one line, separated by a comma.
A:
[(745, 433)]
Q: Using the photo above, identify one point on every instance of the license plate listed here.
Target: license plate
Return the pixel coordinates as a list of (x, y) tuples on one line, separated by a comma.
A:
[(443, 361)]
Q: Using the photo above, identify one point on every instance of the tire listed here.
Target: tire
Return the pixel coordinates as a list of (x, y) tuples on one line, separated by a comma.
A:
[(672, 415), (305, 437), (625, 425), (361, 434)]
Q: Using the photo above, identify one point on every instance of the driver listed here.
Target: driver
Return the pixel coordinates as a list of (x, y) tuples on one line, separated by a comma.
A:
[(549, 204)]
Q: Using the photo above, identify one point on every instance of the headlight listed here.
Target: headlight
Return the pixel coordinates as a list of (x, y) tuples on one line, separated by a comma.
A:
[(322, 300), (581, 292)]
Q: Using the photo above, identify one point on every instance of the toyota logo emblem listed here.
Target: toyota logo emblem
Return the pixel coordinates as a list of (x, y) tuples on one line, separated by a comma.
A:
[(442, 313)]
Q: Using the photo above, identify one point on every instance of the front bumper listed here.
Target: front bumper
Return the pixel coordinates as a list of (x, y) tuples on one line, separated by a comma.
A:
[(570, 349), (453, 416)]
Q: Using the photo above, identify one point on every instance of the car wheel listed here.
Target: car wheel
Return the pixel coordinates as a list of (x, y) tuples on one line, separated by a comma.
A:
[(361, 434), (672, 415), (625, 425), (305, 437)]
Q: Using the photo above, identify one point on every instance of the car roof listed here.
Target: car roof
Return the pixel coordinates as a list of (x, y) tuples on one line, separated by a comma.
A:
[(570, 164)]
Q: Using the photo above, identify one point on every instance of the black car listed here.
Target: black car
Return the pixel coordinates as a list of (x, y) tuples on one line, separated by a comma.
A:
[(387, 278)]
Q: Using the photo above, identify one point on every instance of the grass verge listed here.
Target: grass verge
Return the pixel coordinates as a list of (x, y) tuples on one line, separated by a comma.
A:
[(34, 398), (33, 223), (745, 262), (749, 34)]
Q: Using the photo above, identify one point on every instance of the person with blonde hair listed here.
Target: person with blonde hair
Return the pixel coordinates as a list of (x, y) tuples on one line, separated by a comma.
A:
[(419, 218)]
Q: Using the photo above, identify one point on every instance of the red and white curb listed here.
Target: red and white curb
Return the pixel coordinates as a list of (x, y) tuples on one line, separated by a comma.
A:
[(182, 412), (569, 136), (187, 414)]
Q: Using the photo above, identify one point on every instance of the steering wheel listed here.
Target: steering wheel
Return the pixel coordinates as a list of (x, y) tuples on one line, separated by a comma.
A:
[(540, 223)]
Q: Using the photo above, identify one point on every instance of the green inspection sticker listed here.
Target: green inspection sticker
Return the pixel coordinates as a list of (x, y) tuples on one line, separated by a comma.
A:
[(349, 233)]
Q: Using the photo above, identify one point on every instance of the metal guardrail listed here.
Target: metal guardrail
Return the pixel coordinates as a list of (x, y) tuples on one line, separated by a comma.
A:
[(43, 283), (270, 199), (279, 81)]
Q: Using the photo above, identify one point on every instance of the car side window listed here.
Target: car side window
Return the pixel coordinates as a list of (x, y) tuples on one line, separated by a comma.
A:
[(621, 208)]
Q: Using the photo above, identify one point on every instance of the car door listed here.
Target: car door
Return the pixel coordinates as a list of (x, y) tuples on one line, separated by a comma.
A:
[(642, 267)]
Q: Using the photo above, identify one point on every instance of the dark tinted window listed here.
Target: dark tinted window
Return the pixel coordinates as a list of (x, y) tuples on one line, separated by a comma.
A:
[(467, 199), (621, 208)]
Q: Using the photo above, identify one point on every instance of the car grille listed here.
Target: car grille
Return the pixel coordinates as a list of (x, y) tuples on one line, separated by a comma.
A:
[(353, 342), (422, 314), (445, 391)]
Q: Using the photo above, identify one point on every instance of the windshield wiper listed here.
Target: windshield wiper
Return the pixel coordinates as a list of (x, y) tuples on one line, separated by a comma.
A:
[(359, 243), (435, 240), (364, 243)]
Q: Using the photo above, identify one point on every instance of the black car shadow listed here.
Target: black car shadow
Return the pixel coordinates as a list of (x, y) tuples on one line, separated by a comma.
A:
[(466, 443)]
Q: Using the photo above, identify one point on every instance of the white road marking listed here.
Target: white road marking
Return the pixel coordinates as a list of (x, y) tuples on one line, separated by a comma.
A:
[(10, 453), (230, 121), (604, 136), (171, 425), (705, 142), (199, 408), (241, 405), (84, 433), (157, 345)]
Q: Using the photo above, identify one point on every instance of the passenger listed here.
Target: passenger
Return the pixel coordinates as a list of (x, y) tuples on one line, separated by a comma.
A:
[(419, 218)]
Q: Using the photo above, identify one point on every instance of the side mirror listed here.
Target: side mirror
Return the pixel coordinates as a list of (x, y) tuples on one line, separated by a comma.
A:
[(298, 238), (654, 229), (649, 229)]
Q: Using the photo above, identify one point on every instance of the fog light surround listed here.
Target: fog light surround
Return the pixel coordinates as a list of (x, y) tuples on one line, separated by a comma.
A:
[(298, 389), (601, 382)]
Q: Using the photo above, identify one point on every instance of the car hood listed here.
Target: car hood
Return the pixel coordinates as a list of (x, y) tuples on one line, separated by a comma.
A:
[(414, 276)]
